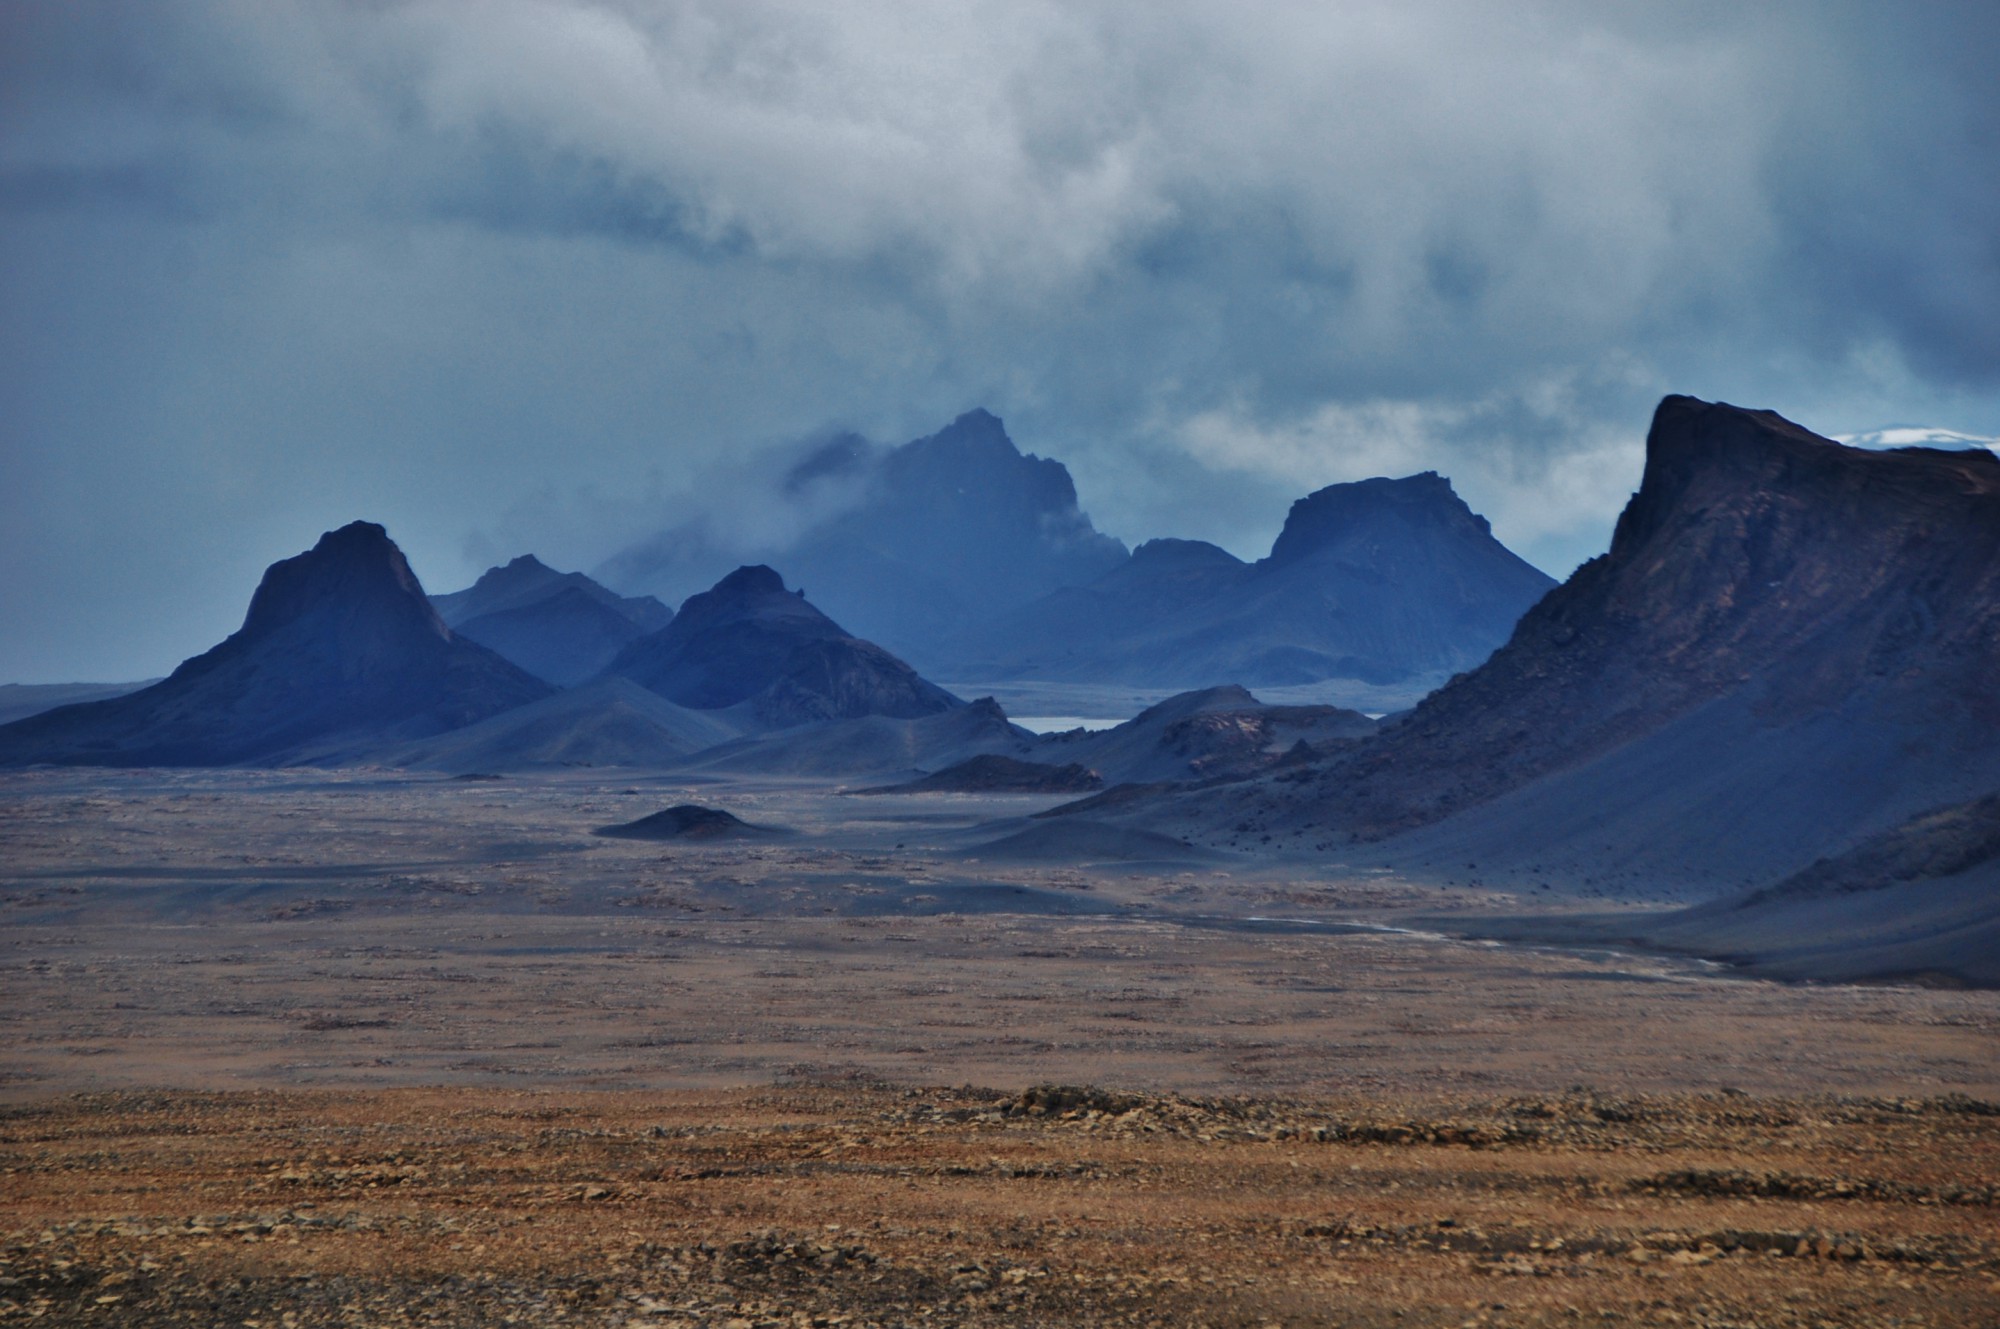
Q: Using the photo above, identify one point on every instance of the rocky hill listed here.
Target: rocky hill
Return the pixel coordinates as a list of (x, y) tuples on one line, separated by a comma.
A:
[(1380, 581), (559, 626), (340, 648), (751, 646)]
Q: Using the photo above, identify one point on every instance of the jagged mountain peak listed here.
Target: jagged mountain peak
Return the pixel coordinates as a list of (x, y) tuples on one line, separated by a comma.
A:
[(340, 651), (356, 571), (1341, 512), (1701, 453), (752, 592), (904, 545), (750, 580)]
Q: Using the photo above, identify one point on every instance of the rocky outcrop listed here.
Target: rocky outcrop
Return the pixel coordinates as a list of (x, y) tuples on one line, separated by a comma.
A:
[(340, 649)]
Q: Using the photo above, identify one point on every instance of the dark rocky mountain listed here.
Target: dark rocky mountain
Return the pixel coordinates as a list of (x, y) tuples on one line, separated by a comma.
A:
[(559, 626), (1380, 581), (1790, 647), (911, 544), (340, 648), (752, 647)]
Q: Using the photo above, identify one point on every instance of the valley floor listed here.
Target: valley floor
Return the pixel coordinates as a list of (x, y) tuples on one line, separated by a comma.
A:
[(817, 1205), (358, 1046)]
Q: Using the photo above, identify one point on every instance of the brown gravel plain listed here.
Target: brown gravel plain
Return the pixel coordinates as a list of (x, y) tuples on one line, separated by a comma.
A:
[(295, 1049)]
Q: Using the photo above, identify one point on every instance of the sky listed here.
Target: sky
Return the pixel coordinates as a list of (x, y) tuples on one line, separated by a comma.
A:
[(549, 275)]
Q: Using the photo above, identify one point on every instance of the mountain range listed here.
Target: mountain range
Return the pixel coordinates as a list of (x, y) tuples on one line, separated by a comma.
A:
[(1789, 649), (1379, 580), (974, 561), (1773, 695)]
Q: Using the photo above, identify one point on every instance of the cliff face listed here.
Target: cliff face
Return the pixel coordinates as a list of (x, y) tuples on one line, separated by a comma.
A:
[(1782, 624), (340, 645), (750, 642)]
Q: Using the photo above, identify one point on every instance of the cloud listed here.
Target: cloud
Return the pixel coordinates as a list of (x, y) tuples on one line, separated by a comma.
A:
[(268, 266)]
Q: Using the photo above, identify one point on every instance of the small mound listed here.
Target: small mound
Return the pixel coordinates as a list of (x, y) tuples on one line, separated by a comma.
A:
[(1072, 841), (687, 821), (993, 773)]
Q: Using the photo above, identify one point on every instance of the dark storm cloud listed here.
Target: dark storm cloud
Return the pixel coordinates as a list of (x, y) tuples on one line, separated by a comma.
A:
[(554, 273)]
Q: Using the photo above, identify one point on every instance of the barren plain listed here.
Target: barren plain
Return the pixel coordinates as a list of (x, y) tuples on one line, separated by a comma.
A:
[(298, 1048)]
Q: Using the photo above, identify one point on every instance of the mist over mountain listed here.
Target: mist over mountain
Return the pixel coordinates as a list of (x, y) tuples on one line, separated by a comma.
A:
[(907, 545), (1379, 580), (1790, 646), (751, 646), (559, 626), (340, 650)]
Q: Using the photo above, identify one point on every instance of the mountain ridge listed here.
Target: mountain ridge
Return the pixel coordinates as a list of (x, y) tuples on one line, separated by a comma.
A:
[(1785, 633), (1380, 580)]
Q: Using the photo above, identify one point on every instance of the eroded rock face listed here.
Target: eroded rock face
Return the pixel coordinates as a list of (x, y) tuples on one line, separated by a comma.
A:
[(340, 646), (751, 643), (1789, 642)]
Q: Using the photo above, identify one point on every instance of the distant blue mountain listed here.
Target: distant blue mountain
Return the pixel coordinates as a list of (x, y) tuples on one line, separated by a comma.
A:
[(761, 653), (922, 542), (560, 626), (1380, 580)]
